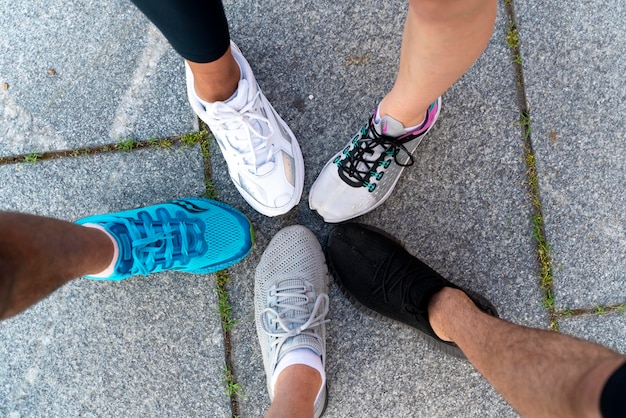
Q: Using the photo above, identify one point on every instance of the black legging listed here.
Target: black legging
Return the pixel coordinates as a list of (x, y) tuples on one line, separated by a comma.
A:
[(197, 30)]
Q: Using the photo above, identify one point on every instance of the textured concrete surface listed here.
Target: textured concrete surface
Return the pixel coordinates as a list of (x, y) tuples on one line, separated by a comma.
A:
[(112, 69), (132, 348), (153, 346), (574, 60)]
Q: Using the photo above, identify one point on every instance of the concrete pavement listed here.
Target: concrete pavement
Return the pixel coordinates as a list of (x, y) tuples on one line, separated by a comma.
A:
[(83, 77)]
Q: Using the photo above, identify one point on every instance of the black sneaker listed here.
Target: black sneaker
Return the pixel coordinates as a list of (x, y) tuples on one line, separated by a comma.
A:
[(381, 278)]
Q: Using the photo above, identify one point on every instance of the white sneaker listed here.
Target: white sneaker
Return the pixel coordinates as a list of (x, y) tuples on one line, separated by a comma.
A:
[(264, 159), (362, 176), (291, 301)]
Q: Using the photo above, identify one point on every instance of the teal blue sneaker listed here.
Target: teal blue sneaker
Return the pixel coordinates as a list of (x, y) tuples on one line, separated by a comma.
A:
[(192, 235)]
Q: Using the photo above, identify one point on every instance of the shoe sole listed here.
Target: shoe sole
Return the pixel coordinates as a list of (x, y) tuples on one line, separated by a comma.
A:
[(452, 350)]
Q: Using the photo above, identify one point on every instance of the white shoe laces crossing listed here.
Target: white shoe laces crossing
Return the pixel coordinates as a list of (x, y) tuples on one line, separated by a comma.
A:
[(305, 322), (244, 131)]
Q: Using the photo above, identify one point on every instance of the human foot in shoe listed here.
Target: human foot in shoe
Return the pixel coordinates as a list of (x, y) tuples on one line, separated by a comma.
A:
[(381, 278), (291, 304), (362, 176), (263, 157), (192, 235)]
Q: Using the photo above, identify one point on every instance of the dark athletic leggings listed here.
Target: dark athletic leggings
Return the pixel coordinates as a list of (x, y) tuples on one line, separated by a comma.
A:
[(197, 30)]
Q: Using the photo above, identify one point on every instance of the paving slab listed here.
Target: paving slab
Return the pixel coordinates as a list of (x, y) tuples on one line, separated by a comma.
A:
[(153, 347), (608, 330), (462, 207), (574, 60), (140, 347), (114, 77)]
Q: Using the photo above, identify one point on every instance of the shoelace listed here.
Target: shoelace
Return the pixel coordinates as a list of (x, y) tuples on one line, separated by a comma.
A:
[(359, 163), (157, 239), (402, 276), (304, 320), (255, 145)]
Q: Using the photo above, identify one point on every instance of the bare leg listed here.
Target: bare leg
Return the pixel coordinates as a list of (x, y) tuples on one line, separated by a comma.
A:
[(38, 255), (217, 80), (295, 392), (441, 40), (540, 373)]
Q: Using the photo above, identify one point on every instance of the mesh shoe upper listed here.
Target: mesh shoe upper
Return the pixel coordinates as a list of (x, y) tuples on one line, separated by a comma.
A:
[(362, 176), (191, 235), (291, 299), (379, 276), (264, 159)]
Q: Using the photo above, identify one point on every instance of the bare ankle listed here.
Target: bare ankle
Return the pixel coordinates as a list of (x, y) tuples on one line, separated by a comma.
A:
[(217, 80), (400, 113), (444, 306)]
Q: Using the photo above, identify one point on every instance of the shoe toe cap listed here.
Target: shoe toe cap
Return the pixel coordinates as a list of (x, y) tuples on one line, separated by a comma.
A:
[(335, 201)]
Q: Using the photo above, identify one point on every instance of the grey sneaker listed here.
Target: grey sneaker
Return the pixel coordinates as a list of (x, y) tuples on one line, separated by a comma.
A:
[(291, 300)]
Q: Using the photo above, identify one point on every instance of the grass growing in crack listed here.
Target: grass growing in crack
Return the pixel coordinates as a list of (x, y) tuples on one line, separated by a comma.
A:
[(598, 310), (206, 152), (32, 157), (163, 143), (223, 305), (546, 272), (126, 145), (194, 138), (512, 37), (232, 387), (209, 189)]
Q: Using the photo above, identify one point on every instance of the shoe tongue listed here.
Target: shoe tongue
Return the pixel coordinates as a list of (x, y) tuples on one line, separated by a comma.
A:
[(293, 284), (240, 98), (388, 126), (238, 101)]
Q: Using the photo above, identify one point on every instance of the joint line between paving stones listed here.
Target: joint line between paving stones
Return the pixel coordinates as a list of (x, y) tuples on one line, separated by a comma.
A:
[(232, 387), (127, 145), (538, 226), (599, 310)]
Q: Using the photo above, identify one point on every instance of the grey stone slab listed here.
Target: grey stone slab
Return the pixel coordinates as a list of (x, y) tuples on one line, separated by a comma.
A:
[(75, 187), (608, 330), (574, 60), (115, 77), (462, 207), (140, 347)]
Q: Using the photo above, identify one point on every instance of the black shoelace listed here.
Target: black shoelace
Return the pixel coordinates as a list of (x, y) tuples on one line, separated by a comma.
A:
[(359, 165), (399, 277)]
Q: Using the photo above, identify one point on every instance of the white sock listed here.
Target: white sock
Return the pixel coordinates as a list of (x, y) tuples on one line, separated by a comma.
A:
[(116, 253), (301, 356)]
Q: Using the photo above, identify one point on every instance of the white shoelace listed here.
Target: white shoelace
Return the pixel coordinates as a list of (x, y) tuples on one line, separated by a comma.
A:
[(243, 129), (307, 320)]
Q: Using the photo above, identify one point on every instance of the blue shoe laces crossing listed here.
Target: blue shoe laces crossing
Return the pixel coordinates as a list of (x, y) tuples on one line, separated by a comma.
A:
[(162, 242)]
